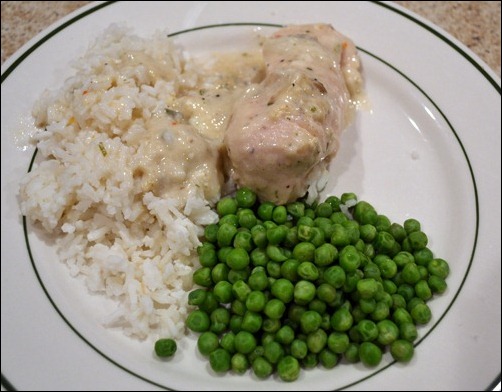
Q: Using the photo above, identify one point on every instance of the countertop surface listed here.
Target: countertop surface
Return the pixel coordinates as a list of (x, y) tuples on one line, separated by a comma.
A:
[(474, 23)]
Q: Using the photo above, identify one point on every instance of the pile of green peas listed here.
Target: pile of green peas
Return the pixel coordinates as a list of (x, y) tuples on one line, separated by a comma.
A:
[(286, 287)]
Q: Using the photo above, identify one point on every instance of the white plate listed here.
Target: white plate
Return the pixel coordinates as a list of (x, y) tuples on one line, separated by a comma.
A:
[(429, 149)]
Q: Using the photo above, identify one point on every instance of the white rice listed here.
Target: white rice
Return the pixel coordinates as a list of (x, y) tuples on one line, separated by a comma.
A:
[(129, 245)]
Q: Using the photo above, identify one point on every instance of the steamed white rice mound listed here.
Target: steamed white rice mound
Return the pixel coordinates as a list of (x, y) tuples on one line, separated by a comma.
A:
[(128, 244)]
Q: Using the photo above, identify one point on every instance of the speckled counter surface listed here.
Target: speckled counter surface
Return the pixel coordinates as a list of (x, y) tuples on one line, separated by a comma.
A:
[(475, 23)]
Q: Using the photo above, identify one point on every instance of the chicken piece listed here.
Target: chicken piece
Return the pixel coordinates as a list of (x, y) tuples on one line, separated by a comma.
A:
[(287, 127)]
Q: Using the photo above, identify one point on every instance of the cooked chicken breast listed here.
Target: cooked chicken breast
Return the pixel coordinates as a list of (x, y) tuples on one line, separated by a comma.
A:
[(284, 128)]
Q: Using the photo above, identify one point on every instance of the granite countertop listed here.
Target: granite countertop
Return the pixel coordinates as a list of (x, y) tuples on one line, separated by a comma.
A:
[(475, 23)]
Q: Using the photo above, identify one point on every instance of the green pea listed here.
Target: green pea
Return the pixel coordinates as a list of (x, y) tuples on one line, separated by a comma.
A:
[(288, 368), (384, 242), (437, 284), (258, 281), (262, 368), (402, 350), (223, 292), (370, 354), (245, 197), (226, 234), (265, 211), (352, 353), (439, 267), (408, 331), (283, 289), (280, 215), (364, 213), (227, 342), (198, 321), (324, 210), (421, 314), (338, 342), (310, 321), (207, 343), (235, 322), (407, 291), (202, 277), (341, 236), (308, 271), (325, 255), (401, 315), (304, 251), (335, 276), (341, 320), (411, 273), (230, 219), (349, 258), (317, 237), (310, 212), (298, 349), (226, 206), (256, 301), (422, 290), (238, 259), (328, 359), (326, 293), (397, 231), (398, 301), (338, 217), (245, 342), (236, 275), (219, 360), (289, 270), (197, 297), (411, 225), (367, 288), (207, 255), (274, 308), (252, 321), (351, 280), (274, 269), (389, 287), (304, 292), (271, 326), (210, 232), (318, 306), (388, 268), (241, 290), (418, 240), (381, 311), (210, 303), (305, 221), (423, 256), (310, 361), (219, 272), (275, 253), (244, 240), (368, 233), (388, 332), (276, 235), (239, 363), (259, 257), (296, 209), (259, 235), (247, 218), (220, 318), (165, 348), (368, 330), (383, 223), (317, 340), (285, 335), (291, 237), (273, 352)]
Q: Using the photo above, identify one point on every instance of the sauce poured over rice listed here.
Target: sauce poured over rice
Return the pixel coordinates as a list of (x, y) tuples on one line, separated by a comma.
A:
[(127, 168)]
